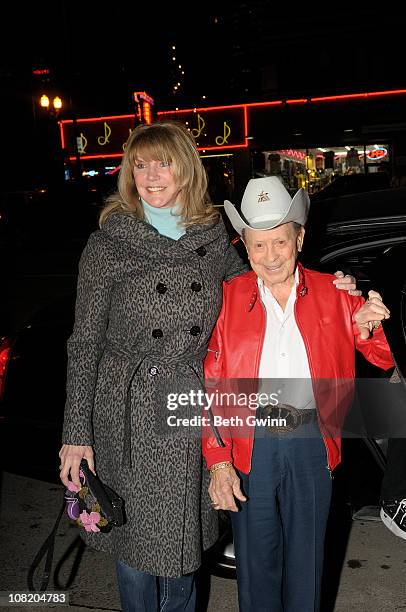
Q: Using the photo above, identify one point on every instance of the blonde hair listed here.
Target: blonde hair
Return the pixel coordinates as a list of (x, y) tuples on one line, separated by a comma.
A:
[(169, 142)]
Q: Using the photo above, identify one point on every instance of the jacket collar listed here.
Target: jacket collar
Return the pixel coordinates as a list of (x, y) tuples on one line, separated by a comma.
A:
[(301, 289), (146, 240)]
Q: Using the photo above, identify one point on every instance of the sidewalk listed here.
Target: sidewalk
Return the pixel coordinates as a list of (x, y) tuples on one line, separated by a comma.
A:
[(373, 576)]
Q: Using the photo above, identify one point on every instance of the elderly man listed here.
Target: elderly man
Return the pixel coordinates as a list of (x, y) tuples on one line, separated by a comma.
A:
[(281, 322)]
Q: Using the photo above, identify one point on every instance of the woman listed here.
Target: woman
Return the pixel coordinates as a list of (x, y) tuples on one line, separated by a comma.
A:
[(149, 293)]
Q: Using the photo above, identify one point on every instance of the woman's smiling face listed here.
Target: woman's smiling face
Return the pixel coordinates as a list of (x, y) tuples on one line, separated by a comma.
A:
[(155, 182)]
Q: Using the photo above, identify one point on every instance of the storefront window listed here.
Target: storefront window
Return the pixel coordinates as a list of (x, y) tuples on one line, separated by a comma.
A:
[(314, 169)]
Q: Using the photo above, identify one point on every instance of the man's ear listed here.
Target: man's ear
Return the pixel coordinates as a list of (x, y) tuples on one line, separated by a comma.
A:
[(300, 239)]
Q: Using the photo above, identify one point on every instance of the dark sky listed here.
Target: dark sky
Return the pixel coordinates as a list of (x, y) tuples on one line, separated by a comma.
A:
[(256, 49)]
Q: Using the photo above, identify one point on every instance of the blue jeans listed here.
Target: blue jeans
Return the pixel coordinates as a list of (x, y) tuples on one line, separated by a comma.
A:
[(142, 592)]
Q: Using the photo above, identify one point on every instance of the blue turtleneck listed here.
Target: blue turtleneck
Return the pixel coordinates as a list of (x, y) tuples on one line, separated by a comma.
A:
[(165, 220)]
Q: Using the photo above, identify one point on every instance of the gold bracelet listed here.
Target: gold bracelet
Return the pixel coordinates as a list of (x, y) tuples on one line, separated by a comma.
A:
[(219, 466)]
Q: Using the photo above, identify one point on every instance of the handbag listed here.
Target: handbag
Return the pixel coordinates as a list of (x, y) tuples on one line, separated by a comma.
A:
[(95, 507)]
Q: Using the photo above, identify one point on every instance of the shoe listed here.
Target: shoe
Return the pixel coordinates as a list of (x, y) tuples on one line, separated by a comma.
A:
[(393, 515)]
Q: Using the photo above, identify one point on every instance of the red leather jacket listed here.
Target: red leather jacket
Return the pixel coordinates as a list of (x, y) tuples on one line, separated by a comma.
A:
[(325, 317)]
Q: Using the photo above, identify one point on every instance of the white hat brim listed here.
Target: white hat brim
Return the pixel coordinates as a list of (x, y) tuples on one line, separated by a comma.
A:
[(297, 213)]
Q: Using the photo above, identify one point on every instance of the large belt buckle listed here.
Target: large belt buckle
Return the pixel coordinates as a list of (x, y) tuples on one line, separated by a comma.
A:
[(279, 412)]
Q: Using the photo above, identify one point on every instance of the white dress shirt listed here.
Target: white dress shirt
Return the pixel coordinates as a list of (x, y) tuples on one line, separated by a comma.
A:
[(284, 354)]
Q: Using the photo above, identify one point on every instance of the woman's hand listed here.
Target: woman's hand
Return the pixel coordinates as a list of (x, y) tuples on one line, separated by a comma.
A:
[(224, 487), (347, 282), (71, 456), (371, 314)]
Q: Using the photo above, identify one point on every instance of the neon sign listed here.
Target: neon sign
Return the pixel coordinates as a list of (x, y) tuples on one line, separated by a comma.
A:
[(377, 154), (144, 111), (294, 153), (221, 127), (99, 137)]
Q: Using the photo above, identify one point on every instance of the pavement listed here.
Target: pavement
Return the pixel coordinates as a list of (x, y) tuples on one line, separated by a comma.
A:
[(371, 576)]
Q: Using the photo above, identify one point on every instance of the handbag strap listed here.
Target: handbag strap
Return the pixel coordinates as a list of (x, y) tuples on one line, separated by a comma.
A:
[(47, 549)]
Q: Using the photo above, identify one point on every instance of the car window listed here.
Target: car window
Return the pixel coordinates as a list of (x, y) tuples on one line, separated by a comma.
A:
[(358, 260)]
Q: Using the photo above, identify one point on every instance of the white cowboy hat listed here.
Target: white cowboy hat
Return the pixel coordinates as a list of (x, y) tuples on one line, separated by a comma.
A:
[(266, 203)]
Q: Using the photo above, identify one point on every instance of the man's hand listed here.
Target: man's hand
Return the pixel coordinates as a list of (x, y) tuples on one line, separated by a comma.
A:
[(347, 282), (71, 456), (370, 314), (224, 487)]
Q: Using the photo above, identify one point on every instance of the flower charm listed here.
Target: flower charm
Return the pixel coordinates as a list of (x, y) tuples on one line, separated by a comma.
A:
[(89, 520)]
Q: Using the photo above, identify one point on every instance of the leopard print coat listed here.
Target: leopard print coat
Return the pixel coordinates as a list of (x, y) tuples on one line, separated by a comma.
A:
[(145, 309)]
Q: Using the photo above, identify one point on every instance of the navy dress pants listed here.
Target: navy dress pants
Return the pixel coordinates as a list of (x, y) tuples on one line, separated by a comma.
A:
[(279, 532)]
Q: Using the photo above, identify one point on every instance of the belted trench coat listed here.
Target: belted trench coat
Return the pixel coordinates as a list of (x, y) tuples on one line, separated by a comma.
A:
[(146, 306)]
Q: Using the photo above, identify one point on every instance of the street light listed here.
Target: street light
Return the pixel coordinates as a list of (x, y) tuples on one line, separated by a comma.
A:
[(47, 108), (44, 101), (57, 104)]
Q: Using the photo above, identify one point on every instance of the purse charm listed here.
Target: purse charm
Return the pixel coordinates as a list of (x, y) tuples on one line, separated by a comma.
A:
[(94, 507)]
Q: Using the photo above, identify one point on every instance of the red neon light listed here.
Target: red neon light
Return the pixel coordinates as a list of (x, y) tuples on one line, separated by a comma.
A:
[(115, 170), (196, 110), (146, 106), (235, 146), (390, 92), (97, 156), (144, 96), (95, 119), (62, 134), (377, 153), (272, 103), (298, 101), (39, 71), (293, 153)]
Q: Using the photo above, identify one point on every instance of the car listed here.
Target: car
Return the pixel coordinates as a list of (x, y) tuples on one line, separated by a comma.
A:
[(363, 235)]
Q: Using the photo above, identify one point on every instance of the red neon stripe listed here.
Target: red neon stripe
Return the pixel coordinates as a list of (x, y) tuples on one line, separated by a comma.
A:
[(235, 146), (95, 119), (192, 110), (390, 92), (387, 93), (272, 103), (62, 134), (298, 101), (98, 156), (343, 97), (246, 125)]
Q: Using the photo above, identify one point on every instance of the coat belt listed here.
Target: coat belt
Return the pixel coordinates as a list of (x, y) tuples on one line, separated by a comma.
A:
[(136, 359)]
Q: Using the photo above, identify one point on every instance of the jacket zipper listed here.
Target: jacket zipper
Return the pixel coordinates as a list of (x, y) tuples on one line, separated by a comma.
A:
[(258, 355), (312, 376)]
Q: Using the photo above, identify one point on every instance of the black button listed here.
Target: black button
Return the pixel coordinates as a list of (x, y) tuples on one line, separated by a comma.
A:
[(195, 331), (201, 251), (196, 286), (157, 333), (153, 371), (161, 288)]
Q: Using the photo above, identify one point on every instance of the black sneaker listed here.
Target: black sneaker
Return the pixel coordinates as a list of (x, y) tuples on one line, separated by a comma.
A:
[(393, 515)]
